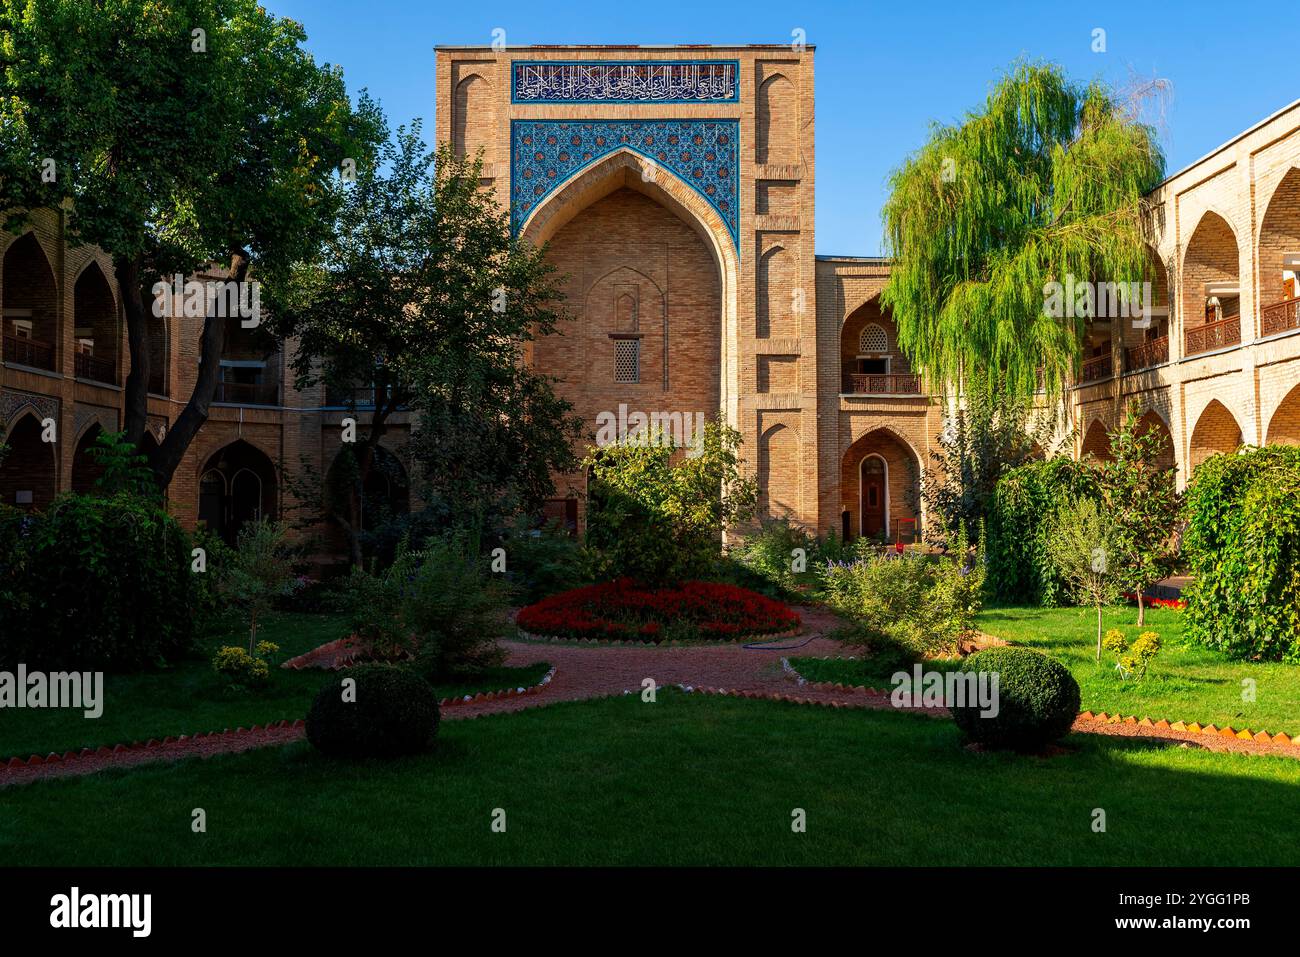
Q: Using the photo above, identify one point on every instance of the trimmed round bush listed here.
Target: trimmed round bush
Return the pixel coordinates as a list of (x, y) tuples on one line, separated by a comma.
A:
[(1037, 698), (394, 713)]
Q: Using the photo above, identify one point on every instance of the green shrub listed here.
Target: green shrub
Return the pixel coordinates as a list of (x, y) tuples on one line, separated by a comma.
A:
[(15, 527), (211, 609), (245, 670), (1242, 547), (782, 554), (1037, 699), (441, 603), (99, 582), (1024, 506), (656, 514), (925, 604), (391, 711), (543, 561)]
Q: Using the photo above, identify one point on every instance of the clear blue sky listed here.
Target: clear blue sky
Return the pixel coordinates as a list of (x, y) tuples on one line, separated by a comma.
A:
[(884, 71)]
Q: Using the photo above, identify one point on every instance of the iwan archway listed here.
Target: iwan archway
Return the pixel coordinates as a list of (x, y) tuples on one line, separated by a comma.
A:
[(653, 275)]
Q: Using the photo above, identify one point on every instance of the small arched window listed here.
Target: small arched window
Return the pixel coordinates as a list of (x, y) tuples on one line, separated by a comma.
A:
[(873, 339)]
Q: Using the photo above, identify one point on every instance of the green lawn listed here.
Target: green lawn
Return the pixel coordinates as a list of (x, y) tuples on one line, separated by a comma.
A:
[(190, 697), (862, 670), (1186, 683), (687, 780)]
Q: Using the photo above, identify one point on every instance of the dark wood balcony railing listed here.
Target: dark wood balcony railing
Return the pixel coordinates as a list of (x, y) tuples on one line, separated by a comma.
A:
[(247, 393), (1097, 368), (1279, 317), (94, 367), (871, 383), (29, 352), (1153, 352), (1213, 335)]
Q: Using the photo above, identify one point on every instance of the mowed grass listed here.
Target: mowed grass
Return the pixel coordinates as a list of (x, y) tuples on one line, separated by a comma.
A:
[(1185, 683), (188, 696), (687, 780), (861, 670)]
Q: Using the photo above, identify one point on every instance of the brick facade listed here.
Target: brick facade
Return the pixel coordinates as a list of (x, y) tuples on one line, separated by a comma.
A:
[(1226, 241), (708, 277)]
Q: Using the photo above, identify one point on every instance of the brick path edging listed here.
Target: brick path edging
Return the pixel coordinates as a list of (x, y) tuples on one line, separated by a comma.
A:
[(151, 744), (503, 693), (108, 751)]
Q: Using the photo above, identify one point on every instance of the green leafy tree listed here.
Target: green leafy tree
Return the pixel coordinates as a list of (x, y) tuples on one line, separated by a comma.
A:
[(1045, 181), (1020, 567), (491, 430), (124, 469), (423, 297), (1242, 547), (1082, 543), (259, 571), (656, 513), (1143, 503), (986, 436), (174, 134)]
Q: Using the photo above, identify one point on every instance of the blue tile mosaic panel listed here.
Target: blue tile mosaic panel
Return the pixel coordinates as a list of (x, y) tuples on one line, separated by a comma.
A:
[(702, 153)]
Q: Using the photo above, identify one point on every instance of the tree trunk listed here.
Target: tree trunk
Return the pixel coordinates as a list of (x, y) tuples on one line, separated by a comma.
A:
[(167, 457), (136, 392), (1142, 610), (1099, 631)]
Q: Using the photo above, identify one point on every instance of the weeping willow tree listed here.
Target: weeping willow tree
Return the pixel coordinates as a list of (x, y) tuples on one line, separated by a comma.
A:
[(1046, 181)]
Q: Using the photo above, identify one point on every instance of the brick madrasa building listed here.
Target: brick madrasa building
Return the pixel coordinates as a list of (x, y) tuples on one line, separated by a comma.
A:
[(676, 187)]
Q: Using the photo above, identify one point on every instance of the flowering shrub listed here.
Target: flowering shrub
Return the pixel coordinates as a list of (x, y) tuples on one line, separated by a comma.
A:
[(926, 605), (245, 670), (1132, 660), (623, 610)]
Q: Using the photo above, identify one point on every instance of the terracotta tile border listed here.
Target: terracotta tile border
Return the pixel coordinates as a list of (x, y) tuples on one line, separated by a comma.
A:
[(1192, 727), (496, 695), (108, 750), (69, 757)]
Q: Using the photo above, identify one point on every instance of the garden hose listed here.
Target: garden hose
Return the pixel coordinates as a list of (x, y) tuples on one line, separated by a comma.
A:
[(768, 646)]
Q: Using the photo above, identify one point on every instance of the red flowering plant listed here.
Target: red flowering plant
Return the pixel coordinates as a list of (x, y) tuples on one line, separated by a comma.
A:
[(623, 610)]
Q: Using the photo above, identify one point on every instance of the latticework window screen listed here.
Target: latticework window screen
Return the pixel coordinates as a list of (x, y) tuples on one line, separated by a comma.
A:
[(627, 360)]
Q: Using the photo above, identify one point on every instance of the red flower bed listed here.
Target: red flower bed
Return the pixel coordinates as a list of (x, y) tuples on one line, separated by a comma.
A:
[(1175, 603), (622, 610)]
